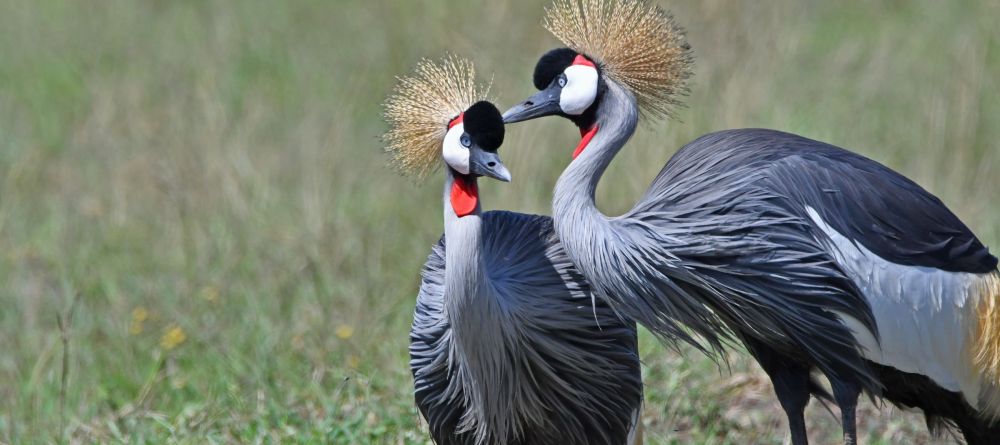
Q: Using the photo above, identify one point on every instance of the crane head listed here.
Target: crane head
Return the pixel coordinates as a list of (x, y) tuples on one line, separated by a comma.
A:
[(438, 113), (632, 43), (569, 85), (470, 146)]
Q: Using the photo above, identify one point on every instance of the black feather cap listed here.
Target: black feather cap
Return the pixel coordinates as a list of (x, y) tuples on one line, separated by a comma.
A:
[(552, 64), (484, 124)]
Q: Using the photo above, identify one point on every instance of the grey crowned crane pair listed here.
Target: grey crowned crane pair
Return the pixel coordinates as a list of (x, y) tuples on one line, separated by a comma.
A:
[(813, 257)]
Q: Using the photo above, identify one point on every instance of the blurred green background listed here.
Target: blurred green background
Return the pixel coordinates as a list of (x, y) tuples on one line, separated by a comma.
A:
[(204, 180)]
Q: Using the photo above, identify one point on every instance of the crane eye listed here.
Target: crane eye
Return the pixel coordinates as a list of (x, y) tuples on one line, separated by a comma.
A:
[(562, 80), (466, 141)]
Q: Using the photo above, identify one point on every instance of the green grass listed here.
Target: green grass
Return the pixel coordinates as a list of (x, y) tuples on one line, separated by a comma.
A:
[(216, 165)]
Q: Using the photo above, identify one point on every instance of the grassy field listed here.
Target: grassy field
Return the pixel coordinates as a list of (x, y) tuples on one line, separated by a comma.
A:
[(200, 241)]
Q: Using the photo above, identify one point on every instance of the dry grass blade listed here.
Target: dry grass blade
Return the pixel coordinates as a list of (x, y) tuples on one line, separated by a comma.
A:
[(64, 322)]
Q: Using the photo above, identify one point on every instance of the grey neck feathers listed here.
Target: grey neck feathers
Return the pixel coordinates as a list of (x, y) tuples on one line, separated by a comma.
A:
[(617, 116), (465, 277), (480, 346), (615, 260)]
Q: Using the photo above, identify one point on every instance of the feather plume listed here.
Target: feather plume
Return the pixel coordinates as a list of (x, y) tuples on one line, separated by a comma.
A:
[(986, 352), (637, 44), (420, 107)]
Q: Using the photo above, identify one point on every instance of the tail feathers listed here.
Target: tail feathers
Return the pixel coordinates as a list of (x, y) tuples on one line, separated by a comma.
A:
[(986, 351), (939, 427)]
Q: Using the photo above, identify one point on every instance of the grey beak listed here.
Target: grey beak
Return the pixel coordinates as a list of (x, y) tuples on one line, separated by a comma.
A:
[(501, 173), (485, 163), (542, 103)]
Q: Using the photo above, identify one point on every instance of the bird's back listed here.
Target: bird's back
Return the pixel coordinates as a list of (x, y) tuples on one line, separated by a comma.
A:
[(573, 369), (865, 201)]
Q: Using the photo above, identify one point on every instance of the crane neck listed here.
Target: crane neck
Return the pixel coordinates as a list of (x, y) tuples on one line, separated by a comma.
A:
[(615, 121), (463, 242), (481, 342), (467, 291)]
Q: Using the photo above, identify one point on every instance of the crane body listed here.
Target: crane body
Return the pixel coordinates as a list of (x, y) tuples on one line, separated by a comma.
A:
[(812, 256)]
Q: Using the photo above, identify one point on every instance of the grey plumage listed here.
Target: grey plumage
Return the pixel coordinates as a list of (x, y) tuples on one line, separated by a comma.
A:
[(508, 345), (712, 248), (834, 193), (707, 246)]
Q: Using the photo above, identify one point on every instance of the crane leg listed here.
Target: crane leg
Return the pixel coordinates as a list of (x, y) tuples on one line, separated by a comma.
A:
[(792, 388), (846, 394), (792, 384)]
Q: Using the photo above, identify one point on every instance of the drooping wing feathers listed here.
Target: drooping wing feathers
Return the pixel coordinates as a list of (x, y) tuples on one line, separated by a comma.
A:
[(771, 287), (714, 231), (752, 253), (574, 364)]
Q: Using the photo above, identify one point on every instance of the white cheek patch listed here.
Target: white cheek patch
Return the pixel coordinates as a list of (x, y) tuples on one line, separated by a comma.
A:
[(453, 152), (580, 90)]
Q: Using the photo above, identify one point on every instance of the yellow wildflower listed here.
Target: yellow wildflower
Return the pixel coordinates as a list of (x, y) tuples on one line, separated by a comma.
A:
[(139, 315), (353, 361), (344, 331), (209, 294), (173, 338)]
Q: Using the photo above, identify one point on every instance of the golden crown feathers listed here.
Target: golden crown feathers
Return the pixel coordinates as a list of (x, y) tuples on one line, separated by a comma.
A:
[(421, 106)]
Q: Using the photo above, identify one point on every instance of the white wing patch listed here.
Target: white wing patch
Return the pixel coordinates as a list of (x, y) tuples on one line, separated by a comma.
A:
[(925, 316)]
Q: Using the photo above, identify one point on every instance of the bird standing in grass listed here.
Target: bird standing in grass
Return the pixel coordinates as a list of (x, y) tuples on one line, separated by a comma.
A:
[(810, 255), (507, 345)]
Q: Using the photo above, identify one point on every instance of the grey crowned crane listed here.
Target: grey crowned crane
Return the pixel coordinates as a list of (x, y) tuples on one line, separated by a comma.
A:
[(507, 345), (810, 255)]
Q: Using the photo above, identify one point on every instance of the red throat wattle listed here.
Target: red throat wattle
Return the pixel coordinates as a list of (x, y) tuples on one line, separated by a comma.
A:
[(586, 136), (464, 195)]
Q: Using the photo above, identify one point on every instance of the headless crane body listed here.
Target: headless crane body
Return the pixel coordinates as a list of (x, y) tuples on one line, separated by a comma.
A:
[(931, 286)]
